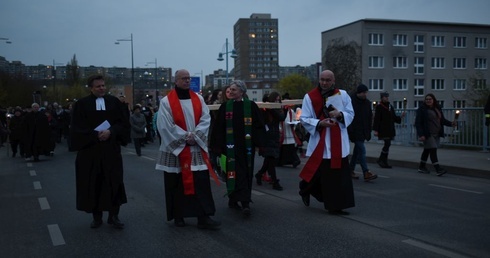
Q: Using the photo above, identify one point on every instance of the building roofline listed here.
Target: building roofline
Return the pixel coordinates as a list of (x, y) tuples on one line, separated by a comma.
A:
[(409, 22)]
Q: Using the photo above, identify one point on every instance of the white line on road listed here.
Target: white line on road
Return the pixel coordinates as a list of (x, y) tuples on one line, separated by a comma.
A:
[(56, 236), (257, 193), (433, 249), (32, 172), (145, 157), (37, 185), (457, 189), (43, 202)]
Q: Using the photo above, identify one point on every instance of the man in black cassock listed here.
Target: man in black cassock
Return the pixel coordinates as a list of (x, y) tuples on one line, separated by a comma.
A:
[(36, 133), (99, 127)]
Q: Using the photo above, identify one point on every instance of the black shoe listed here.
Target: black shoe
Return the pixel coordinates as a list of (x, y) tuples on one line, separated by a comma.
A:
[(179, 222), (234, 205), (306, 199), (258, 177), (277, 186), (295, 164), (96, 223), (115, 222), (383, 164), (207, 223), (441, 172), (246, 211), (338, 212), (424, 171)]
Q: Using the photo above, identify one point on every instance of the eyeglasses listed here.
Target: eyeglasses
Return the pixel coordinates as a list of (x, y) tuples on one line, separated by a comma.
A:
[(185, 78), (325, 79)]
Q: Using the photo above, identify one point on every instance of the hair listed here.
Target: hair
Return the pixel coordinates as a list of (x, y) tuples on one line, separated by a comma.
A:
[(434, 100), (240, 84), (94, 77), (223, 94), (273, 96), (214, 96), (265, 98), (136, 107)]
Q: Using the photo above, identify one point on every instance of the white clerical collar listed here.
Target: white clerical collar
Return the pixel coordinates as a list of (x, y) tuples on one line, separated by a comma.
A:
[(100, 103)]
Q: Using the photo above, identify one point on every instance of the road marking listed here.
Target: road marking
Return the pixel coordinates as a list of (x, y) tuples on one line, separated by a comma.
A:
[(432, 248), (32, 172), (37, 185), (43, 202), (56, 236), (145, 157), (257, 193), (29, 164), (457, 189)]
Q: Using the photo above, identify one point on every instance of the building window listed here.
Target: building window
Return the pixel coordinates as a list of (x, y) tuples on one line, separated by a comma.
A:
[(437, 63), (459, 104), (417, 104), (481, 43), (376, 62), (418, 87), (418, 44), (398, 105), (437, 84), (438, 41), (400, 84), (418, 64), (480, 84), (400, 62), (459, 42), (459, 63), (400, 40), (480, 63), (375, 39), (459, 84), (376, 84)]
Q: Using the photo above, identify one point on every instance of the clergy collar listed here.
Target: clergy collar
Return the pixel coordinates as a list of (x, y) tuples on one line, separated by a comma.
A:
[(183, 93)]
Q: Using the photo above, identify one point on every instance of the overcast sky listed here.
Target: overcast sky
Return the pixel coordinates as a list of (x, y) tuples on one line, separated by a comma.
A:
[(190, 34)]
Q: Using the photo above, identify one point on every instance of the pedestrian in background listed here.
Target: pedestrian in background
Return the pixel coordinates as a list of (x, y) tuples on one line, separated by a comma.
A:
[(138, 125), (360, 131), (384, 126), (290, 142), (326, 114), (16, 127), (36, 133), (271, 149), (430, 124), (99, 126), (183, 122), (54, 131)]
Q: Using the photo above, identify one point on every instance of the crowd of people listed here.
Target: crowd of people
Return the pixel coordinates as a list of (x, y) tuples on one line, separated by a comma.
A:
[(197, 143)]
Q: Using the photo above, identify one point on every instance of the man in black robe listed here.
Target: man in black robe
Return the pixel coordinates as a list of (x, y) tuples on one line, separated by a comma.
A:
[(99, 127), (36, 133)]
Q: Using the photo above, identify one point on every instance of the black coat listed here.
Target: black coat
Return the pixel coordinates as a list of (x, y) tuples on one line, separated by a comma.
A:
[(16, 127), (36, 132), (384, 120), (360, 128), (272, 118), (422, 125), (95, 158)]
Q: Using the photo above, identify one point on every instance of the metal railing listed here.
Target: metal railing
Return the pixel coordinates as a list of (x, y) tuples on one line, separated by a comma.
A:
[(470, 131)]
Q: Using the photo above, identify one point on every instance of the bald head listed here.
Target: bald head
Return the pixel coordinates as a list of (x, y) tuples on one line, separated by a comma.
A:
[(327, 79), (182, 79)]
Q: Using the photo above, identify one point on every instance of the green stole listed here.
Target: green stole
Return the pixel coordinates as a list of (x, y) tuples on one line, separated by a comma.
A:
[(230, 150)]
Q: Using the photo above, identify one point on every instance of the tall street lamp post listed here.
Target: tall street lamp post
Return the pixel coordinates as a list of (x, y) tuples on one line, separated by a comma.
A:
[(55, 93), (156, 78), (226, 52), (132, 64)]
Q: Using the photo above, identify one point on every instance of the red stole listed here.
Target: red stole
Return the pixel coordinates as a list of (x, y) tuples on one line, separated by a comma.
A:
[(316, 158), (185, 157)]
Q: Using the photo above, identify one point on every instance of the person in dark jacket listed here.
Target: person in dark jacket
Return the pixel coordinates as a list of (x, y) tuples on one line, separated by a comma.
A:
[(271, 151), (430, 123), (360, 131), (36, 133), (384, 126), (16, 127)]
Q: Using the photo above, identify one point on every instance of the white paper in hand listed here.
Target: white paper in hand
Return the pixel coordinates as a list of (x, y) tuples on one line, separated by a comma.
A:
[(103, 126)]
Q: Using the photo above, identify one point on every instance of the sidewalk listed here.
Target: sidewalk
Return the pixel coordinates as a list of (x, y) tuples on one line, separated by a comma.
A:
[(455, 161)]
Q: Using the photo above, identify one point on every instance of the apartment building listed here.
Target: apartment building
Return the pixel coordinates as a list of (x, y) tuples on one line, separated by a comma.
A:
[(412, 58)]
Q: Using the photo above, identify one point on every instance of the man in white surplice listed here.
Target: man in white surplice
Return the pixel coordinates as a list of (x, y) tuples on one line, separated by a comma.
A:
[(183, 122)]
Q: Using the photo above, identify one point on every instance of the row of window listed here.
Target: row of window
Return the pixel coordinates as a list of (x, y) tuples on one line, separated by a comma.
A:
[(419, 84), (401, 40), (401, 62), (260, 53)]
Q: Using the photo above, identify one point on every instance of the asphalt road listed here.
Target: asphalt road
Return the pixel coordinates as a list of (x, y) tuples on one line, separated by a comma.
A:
[(400, 214)]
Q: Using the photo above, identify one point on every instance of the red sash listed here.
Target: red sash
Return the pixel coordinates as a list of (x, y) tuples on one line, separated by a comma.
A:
[(185, 157), (316, 158)]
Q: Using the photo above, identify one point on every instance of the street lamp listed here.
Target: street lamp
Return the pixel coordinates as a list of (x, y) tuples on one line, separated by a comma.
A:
[(55, 93), (156, 77), (7, 41), (132, 63), (220, 56)]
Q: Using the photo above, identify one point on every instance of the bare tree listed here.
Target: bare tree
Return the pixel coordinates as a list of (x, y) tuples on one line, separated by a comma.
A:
[(344, 60)]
